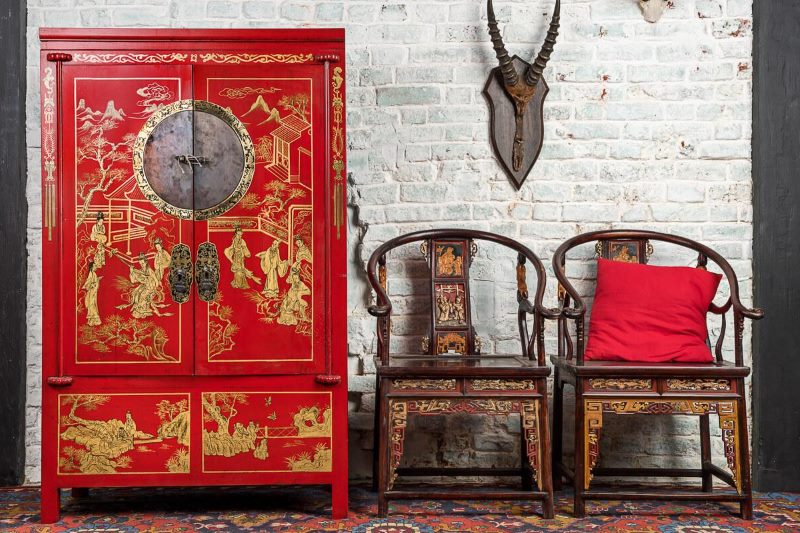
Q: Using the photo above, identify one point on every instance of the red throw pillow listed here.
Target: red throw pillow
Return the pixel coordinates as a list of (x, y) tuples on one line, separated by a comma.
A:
[(651, 314)]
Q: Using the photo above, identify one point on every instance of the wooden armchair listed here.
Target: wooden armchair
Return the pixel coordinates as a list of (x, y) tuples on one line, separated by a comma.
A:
[(453, 376), (620, 387)]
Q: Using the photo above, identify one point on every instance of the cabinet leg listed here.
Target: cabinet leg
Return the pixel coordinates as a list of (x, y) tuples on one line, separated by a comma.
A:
[(51, 504), (339, 497)]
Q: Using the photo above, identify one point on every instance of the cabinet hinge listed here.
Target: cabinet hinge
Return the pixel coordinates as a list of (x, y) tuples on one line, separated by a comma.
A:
[(59, 381), (59, 56)]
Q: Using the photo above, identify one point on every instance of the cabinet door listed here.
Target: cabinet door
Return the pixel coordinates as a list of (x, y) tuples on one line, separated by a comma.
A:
[(119, 315), (267, 316)]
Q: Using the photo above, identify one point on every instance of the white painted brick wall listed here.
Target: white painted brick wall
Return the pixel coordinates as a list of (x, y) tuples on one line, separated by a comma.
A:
[(647, 126)]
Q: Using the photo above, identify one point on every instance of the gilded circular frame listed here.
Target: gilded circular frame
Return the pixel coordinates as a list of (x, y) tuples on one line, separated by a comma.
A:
[(226, 116)]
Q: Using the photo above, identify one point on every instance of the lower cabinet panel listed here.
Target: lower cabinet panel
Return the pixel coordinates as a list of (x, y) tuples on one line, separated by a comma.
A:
[(201, 433), (124, 433), (266, 432)]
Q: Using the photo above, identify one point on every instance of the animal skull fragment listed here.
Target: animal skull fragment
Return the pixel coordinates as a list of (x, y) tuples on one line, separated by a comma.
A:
[(653, 9)]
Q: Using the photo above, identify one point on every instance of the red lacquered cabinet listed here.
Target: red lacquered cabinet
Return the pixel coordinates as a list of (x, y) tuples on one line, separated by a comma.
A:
[(194, 287)]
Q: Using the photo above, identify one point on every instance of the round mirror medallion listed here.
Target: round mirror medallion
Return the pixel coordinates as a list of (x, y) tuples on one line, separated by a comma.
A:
[(193, 159)]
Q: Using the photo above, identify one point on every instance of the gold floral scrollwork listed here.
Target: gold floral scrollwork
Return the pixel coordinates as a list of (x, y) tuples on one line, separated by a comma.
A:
[(648, 249), (423, 248), (235, 59), (130, 58), (425, 344), (529, 411), (620, 384), (398, 417), (473, 249), (49, 150), (337, 147), (698, 384), (503, 384), (424, 384), (522, 283), (382, 276), (598, 248)]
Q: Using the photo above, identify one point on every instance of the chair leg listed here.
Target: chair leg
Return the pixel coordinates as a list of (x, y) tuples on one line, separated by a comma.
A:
[(558, 430), (525, 464), (383, 460), (580, 454), (545, 467), (705, 452), (376, 435), (746, 507)]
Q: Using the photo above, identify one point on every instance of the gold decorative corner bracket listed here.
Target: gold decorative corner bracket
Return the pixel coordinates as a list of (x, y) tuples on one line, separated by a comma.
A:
[(727, 411)]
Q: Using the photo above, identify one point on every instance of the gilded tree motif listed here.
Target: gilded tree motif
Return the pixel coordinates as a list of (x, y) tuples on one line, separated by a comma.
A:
[(101, 444), (95, 146), (220, 408), (221, 327), (137, 337)]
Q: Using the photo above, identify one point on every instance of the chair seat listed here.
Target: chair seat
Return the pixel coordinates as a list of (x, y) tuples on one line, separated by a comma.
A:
[(508, 366), (714, 369)]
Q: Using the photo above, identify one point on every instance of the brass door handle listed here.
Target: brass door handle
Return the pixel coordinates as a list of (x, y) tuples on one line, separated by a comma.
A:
[(180, 273), (207, 271)]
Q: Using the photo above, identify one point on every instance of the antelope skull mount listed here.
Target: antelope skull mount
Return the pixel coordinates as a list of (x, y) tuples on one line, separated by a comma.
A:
[(653, 9), (516, 91)]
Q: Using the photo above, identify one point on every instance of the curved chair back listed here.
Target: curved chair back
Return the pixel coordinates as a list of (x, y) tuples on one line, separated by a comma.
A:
[(636, 246), (449, 254)]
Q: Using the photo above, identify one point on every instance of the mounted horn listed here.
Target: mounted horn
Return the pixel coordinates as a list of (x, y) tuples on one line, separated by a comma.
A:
[(510, 75), (534, 72), (517, 128)]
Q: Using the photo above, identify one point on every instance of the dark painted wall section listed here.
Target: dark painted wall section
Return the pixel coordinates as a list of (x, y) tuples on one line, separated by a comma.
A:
[(776, 204), (13, 223)]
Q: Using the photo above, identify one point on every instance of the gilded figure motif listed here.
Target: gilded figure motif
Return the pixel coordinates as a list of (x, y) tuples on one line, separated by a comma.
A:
[(272, 266), (91, 286), (449, 261), (226, 441), (450, 305), (146, 292), (98, 235), (236, 253), (293, 307)]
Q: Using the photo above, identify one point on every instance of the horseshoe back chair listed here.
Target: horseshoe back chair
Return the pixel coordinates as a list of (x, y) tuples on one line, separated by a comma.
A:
[(453, 376), (622, 387)]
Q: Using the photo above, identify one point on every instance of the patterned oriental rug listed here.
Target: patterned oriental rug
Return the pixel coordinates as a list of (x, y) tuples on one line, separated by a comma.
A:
[(304, 510)]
